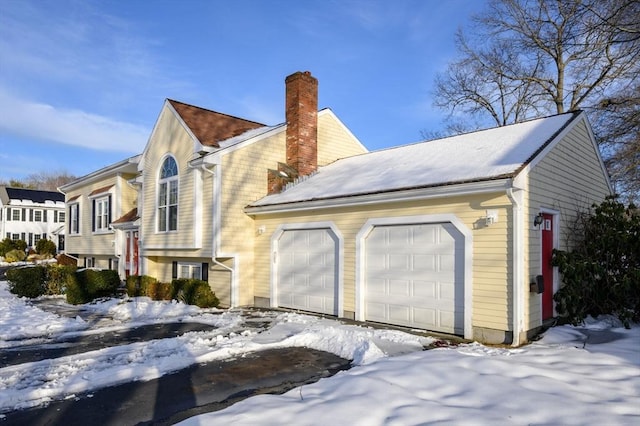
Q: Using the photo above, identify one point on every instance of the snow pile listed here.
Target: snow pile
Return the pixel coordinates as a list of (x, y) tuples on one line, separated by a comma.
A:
[(552, 381), (22, 321), (587, 375)]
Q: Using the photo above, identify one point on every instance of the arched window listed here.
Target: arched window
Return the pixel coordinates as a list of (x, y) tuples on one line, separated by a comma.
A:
[(168, 196)]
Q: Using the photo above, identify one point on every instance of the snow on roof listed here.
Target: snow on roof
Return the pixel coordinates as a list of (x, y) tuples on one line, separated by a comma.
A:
[(482, 155)]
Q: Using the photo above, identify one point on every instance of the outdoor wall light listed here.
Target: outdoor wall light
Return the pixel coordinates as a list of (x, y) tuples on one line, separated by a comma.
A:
[(537, 221)]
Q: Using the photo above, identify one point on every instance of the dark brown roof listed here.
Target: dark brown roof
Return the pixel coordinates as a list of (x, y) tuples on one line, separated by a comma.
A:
[(130, 216), (100, 190), (211, 127)]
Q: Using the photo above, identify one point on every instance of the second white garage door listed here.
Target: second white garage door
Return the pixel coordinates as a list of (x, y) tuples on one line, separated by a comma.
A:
[(307, 270), (414, 276)]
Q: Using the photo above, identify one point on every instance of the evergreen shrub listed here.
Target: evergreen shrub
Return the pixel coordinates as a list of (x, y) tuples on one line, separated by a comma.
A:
[(27, 281), (601, 273), (45, 247), (15, 255)]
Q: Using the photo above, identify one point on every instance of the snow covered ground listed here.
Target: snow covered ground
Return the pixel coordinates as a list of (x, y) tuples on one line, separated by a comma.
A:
[(559, 379)]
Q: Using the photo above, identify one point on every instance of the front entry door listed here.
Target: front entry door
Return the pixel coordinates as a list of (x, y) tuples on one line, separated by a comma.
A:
[(547, 268)]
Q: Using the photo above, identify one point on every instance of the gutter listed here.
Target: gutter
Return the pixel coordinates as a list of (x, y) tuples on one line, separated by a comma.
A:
[(516, 197), (497, 185)]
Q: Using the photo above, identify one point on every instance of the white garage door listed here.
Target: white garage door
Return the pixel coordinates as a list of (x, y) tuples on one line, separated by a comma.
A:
[(414, 276), (307, 270)]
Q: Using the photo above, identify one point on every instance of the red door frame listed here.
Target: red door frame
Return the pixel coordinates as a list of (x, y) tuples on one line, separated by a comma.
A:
[(547, 246)]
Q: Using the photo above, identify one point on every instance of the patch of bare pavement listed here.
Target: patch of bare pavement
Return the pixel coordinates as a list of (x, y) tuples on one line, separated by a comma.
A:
[(198, 389)]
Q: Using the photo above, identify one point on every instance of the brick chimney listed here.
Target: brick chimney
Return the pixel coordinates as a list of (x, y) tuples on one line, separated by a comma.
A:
[(302, 122)]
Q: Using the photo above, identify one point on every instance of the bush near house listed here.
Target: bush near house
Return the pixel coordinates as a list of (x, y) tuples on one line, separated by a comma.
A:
[(8, 245), (193, 292), (45, 247), (57, 277), (89, 284), (189, 291), (139, 285), (601, 274), (27, 281), (15, 255)]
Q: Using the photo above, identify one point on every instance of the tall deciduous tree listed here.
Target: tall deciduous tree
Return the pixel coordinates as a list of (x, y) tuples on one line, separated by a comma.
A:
[(528, 58)]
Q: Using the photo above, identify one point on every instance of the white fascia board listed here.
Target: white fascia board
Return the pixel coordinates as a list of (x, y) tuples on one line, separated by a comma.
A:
[(498, 185), (111, 170)]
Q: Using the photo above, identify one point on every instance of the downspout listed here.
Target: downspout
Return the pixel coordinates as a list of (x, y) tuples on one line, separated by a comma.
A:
[(214, 241), (515, 195)]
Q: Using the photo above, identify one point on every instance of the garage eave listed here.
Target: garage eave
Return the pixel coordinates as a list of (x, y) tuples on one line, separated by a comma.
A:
[(495, 185)]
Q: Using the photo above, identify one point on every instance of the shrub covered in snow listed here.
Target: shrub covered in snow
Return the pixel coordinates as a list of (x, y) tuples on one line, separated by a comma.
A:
[(601, 274)]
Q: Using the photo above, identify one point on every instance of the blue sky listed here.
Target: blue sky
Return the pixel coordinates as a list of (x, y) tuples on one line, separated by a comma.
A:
[(82, 81)]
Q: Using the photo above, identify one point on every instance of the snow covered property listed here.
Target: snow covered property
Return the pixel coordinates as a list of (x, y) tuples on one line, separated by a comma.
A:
[(588, 375), (452, 236)]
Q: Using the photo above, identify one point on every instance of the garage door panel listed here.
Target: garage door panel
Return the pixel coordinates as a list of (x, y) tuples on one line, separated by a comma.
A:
[(307, 270), (399, 288), (399, 314), (425, 289), (421, 267), (424, 316)]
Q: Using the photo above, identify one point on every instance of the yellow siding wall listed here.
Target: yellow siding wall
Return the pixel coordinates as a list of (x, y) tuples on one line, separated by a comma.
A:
[(568, 180), (334, 140), (102, 244), (169, 137), (491, 295), (244, 180)]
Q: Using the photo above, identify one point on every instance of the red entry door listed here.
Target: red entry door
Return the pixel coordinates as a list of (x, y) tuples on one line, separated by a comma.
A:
[(547, 269)]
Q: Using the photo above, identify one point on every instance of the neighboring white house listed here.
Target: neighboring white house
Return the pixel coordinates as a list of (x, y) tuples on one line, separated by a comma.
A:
[(31, 215)]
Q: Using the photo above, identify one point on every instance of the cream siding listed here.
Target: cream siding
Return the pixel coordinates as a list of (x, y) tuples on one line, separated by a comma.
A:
[(335, 140), (169, 138), (89, 243), (569, 179), (490, 271)]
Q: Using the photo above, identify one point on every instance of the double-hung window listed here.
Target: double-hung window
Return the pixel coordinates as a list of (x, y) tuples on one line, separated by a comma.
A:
[(190, 270), (74, 218), (101, 216), (168, 196), (37, 215)]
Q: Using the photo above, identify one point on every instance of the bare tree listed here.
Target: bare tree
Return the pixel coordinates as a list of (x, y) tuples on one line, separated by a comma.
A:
[(529, 58), (46, 181)]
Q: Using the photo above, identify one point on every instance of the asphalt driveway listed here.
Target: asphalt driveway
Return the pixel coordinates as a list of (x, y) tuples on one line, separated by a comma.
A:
[(197, 389)]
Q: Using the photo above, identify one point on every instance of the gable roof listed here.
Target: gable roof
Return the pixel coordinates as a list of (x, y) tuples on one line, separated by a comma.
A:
[(211, 127), (490, 154), (34, 195)]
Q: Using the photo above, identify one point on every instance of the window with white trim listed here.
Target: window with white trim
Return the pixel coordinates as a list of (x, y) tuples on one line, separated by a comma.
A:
[(190, 270), (74, 218), (61, 217), (37, 215), (101, 215), (15, 214), (168, 196)]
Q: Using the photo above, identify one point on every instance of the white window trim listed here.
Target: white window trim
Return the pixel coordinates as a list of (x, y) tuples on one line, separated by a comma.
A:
[(191, 265), (167, 181), (96, 201), (75, 206)]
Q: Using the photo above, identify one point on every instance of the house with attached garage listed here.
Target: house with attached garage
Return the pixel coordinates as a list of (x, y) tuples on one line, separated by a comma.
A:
[(31, 215), (176, 210), (452, 235)]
